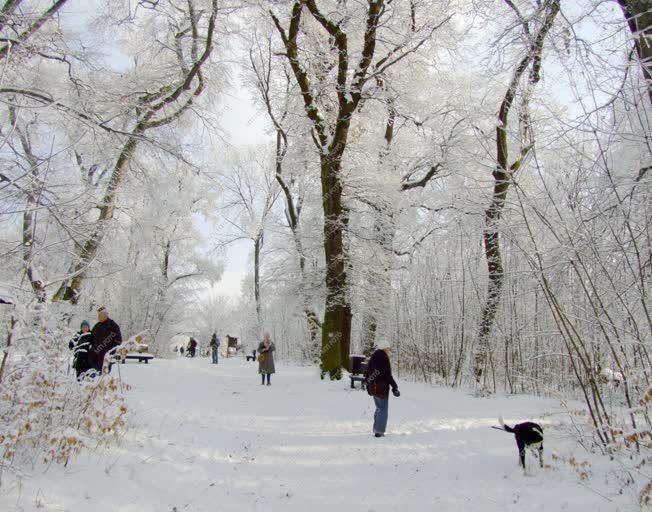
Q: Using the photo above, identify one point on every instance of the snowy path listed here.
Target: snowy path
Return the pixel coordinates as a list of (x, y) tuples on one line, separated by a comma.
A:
[(207, 438)]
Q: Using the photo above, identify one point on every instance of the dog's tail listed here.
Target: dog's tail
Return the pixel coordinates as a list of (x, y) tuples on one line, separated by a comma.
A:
[(506, 428)]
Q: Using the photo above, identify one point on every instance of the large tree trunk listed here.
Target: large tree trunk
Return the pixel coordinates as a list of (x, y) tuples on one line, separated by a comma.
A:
[(638, 14), (336, 327), (495, 275)]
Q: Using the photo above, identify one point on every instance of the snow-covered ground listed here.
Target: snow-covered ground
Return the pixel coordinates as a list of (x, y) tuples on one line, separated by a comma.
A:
[(207, 438)]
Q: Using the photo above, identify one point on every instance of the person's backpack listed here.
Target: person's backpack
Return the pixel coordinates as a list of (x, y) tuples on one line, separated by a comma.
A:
[(377, 386)]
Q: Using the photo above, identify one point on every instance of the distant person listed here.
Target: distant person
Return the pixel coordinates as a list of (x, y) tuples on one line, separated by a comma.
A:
[(379, 379), (192, 347), (215, 346), (266, 359), (80, 345), (106, 335)]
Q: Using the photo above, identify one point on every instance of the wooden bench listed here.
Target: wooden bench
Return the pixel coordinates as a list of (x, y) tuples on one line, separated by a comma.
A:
[(358, 378), (142, 358), (251, 357), (358, 366)]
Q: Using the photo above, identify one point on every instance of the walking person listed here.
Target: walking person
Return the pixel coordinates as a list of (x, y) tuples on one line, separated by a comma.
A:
[(379, 379), (106, 335), (80, 345), (266, 359), (192, 347), (215, 346)]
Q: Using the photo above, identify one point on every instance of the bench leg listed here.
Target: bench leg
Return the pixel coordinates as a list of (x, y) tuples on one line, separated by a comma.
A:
[(352, 384)]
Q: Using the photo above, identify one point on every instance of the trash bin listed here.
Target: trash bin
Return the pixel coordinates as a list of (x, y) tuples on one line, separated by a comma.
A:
[(356, 364)]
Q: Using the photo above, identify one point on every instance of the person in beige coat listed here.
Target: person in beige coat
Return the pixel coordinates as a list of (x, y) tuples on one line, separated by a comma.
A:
[(266, 359)]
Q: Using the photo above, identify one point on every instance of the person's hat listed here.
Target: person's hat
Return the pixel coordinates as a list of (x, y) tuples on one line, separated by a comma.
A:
[(84, 323), (103, 308), (382, 344)]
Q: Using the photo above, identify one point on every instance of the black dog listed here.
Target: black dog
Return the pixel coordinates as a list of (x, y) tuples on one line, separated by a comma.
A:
[(528, 435)]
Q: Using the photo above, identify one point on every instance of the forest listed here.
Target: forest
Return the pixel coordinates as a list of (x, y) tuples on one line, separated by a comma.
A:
[(468, 179)]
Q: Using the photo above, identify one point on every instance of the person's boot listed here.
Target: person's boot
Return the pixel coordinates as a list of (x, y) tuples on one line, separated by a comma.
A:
[(379, 435)]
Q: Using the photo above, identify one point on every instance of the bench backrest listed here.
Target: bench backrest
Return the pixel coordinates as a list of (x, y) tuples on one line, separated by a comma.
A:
[(356, 364)]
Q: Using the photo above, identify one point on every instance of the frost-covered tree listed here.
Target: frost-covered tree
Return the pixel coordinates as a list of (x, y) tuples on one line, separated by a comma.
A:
[(250, 193), (536, 27), (336, 51)]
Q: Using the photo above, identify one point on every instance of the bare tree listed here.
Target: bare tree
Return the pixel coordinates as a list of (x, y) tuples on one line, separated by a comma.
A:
[(536, 29), (251, 194), (262, 63)]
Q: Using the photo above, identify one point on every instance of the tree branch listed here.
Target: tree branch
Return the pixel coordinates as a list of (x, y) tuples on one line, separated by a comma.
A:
[(432, 172), (38, 23)]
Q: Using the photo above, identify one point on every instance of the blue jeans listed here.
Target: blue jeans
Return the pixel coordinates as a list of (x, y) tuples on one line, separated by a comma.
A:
[(380, 416), (214, 353)]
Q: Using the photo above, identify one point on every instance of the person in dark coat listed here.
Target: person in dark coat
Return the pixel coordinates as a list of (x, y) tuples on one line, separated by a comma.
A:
[(215, 346), (192, 347), (106, 335), (80, 345), (379, 379), (266, 359)]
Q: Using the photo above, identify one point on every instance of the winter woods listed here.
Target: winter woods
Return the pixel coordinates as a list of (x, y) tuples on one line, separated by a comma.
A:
[(467, 179), (471, 213), (99, 196)]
